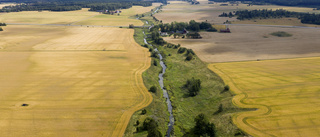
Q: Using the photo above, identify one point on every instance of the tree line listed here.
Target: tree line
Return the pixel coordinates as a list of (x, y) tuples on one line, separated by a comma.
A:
[(180, 26), (70, 5), (279, 13), (307, 3)]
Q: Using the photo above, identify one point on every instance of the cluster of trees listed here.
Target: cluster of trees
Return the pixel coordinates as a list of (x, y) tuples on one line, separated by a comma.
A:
[(155, 36), (252, 14), (70, 5), (149, 125), (179, 26), (2, 24), (279, 13), (309, 3), (193, 86), (230, 15), (311, 19), (203, 127), (189, 53)]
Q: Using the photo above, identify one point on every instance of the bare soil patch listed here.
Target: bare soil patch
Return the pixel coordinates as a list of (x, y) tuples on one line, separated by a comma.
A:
[(252, 43)]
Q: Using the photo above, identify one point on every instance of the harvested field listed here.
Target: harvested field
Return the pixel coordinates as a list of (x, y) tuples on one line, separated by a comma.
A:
[(89, 88), (46, 17), (184, 12), (281, 21), (253, 42), (286, 93)]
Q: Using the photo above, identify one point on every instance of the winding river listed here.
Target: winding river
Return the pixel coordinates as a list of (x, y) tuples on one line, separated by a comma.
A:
[(165, 93)]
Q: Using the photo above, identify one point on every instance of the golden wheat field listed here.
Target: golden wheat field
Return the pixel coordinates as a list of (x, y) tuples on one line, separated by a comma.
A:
[(70, 81), (115, 20), (285, 93), (47, 17)]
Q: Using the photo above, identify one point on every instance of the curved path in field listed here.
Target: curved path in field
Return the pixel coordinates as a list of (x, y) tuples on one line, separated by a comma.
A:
[(137, 85), (240, 119)]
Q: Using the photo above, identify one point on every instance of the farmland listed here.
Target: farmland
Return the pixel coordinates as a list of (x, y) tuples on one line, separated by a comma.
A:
[(79, 17), (46, 17), (286, 93), (184, 12), (115, 20), (70, 81), (252, 43)]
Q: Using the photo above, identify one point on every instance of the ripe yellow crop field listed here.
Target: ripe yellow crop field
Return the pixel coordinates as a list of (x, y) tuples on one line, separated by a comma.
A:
[(115, 20), (74, 81), (46, 17), (285, 93)]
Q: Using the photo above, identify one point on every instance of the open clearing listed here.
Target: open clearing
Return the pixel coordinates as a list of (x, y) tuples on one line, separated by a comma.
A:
[(286, 93), (74, 81), (253, 42), (183, 12)]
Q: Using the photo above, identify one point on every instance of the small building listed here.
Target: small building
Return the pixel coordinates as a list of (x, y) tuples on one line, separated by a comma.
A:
[(184, 31), (163, 33)]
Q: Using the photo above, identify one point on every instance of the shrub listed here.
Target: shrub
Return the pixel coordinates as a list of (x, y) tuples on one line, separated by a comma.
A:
[(131, 26), (155, 63), (189, 57), (212, 30), (1, 29), (281, 34), (181, 50), (193, 86), (154, 54), (153, 89), (203, 127), (144, 111), (190, 51), (226, 88), (137, 123)]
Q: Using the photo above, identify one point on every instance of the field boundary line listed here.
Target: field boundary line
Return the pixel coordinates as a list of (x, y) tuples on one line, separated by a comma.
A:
[(147, 97), (241, 119)]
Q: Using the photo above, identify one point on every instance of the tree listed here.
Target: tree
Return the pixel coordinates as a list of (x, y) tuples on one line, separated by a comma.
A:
[(1, 29), (203, 127), (153, 89), (155, 63), (193, 86), (189, 57), (131, 26), (144, 111)]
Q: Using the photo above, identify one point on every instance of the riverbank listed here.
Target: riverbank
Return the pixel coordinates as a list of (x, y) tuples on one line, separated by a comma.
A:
[(212, 100)]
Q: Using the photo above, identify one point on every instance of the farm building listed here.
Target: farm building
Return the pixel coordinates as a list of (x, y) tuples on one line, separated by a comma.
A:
[(184, 31)]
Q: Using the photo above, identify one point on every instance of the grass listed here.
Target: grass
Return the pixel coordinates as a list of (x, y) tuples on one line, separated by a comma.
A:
[(284, 91), (207, 101), (281, 34), (157, 109), (186, 108), (71, 85)]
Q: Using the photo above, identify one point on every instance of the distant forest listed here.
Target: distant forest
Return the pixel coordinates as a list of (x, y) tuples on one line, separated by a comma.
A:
[(70, 5), (279, 13), (307, 3)]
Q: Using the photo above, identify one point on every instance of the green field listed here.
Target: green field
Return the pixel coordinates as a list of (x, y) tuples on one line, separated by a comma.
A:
[(286, 93)]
